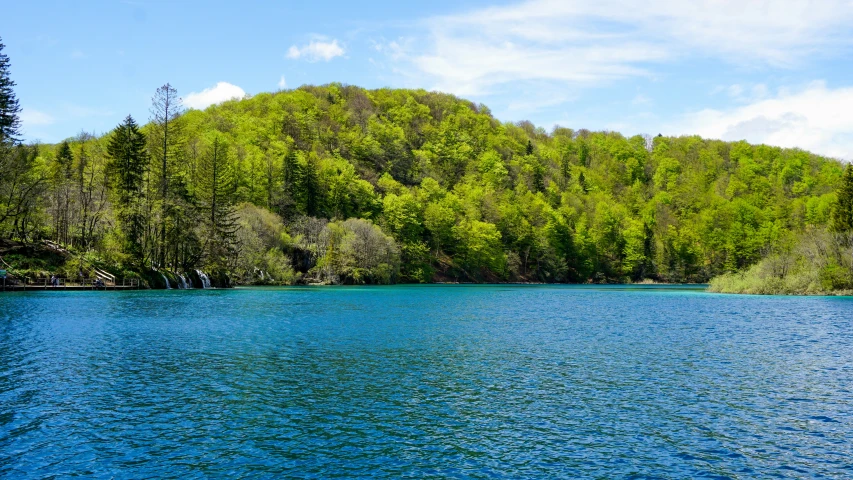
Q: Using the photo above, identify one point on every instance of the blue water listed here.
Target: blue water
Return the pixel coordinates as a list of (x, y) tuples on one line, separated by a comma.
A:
[(433, 381)]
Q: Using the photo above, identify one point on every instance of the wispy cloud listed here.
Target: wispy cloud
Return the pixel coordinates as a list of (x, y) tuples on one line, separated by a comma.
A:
[(317, 50), (582, 43), (221, 92), (814, 118), (31, 117), (742, 93), (641, 99), (282, 83)]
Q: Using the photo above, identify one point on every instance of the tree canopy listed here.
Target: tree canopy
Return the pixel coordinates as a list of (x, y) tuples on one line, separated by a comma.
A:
[(461, 195)]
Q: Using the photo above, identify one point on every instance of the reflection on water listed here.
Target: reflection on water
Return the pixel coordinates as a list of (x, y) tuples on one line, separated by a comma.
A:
[(479, 381)]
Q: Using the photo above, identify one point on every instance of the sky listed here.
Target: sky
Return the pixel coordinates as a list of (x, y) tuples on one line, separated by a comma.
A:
[(778, 72)]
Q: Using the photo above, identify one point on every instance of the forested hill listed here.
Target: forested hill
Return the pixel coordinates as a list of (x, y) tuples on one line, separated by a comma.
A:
[(270, 188)]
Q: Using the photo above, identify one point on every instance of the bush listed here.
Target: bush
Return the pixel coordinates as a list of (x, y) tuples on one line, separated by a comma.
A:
[(356, 251), (821, 263)]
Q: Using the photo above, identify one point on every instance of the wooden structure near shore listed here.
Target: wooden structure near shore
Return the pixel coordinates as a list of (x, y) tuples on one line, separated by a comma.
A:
[(102, 280), (65, 284)]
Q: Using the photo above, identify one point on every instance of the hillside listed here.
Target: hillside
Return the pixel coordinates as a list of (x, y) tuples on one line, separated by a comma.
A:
[(345, 185)]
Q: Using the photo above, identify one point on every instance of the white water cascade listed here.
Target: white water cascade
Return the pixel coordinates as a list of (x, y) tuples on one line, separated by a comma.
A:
[(168, 287), (182, 284), (205, 281), (188, 281)]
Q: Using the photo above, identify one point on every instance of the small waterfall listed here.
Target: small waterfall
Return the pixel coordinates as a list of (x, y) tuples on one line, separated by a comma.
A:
[(168, 287), (205, 281), (189, 281), (182, 284)]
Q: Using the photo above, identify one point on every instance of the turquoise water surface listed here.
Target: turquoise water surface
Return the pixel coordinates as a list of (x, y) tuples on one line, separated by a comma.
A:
[(425, 381)]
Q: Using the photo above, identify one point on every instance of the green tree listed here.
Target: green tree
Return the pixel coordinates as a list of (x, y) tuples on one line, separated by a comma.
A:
[(166, 138), (10, 122), (65, 160), (216, 187), (62, 193), (842, 215), (21, 181), (129, 161), (480, 243)]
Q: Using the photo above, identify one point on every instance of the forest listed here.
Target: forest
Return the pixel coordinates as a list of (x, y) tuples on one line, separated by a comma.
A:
[(337, 184)]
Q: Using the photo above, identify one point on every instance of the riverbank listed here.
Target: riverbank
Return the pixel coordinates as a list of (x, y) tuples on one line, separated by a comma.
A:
[(36, 265), (757, 280)]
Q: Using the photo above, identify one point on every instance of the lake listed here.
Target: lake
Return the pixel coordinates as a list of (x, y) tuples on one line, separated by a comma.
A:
[(425, 381)]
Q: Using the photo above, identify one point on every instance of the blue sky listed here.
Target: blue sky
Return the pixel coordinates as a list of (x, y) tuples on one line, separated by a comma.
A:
[(776, 72)]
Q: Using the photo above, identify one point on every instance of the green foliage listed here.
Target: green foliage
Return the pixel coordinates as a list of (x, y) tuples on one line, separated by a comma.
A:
[(127, 167), (389, 185), (356, 251), (10, 122), (262, 240), (480, 246), (215, 192), (818, 262), (842, 215)]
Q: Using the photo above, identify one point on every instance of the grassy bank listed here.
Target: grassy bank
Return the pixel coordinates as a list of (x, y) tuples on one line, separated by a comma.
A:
[(818, 263)]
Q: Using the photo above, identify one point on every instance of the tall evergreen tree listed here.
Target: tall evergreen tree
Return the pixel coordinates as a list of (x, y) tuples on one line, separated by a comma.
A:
[(63, 192), (291, 174), (21, 183), (216, 193), (10, 122), (65, 159), (842, 216), (165, 138), (129, 160)]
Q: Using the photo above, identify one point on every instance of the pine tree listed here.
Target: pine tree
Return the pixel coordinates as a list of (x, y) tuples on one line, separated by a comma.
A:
[(583, 153), (291, 176), (63, 192), (10, 122), (582, 182), (165, 139), (842, 216), (128, 164), (65, 159), (216, 193), (311, 188)]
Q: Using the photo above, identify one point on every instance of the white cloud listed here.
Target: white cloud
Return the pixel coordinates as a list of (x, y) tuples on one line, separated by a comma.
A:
[(814, 118), (641, 99), (583, 43), (282, 83), (222, 92), (318, 49), (735, 91), (30, 117)]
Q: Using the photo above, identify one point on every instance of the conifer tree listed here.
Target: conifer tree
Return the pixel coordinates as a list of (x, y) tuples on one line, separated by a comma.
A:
[(165, 139), (63, 192), (842, 216), (311, 188), (129, 161), (291, 176), (20, 182), (216, 193), (65, 159), (10, 122)]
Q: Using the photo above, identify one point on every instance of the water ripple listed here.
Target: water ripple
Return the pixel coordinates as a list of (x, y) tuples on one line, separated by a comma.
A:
[(413, 382)]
